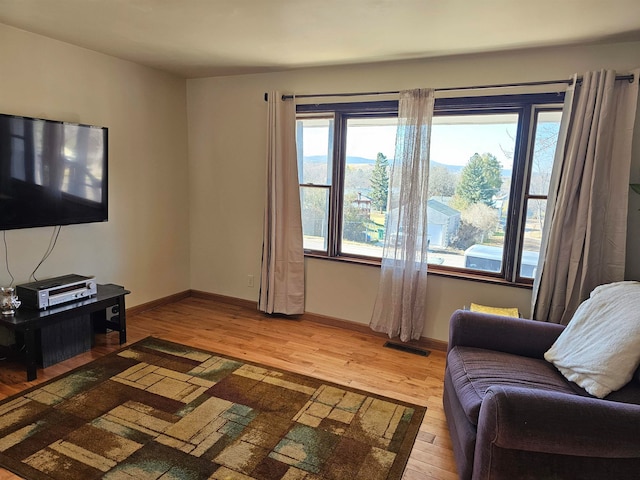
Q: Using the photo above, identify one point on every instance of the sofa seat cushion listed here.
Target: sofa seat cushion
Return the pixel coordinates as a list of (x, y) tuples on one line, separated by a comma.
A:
[(474, 370)]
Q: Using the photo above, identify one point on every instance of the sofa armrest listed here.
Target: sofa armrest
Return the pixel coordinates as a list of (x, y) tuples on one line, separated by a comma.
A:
[(519, 336), (558, 423)]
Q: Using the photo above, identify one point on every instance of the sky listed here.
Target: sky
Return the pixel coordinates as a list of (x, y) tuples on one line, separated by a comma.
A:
[(450, 144)]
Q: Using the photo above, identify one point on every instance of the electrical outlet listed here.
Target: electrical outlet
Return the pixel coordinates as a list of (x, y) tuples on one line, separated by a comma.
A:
[(250, 281)]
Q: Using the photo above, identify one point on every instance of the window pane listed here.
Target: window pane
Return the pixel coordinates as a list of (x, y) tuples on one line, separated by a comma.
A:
[(532, 237), (469, 185), (369, 150), (314, 138), (315, 217), (546, 139)]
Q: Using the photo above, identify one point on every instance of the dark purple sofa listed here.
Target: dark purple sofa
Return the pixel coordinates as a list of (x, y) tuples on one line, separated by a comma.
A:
[(512, 415)]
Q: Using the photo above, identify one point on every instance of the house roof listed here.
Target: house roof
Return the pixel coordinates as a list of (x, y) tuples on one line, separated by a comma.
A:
[(203, 38), (442, 208)]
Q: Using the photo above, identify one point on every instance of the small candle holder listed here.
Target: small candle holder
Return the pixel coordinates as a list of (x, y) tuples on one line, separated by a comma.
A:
[(8, 301)]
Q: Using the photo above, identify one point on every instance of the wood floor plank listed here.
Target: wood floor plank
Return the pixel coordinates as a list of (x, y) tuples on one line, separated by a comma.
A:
[(333, 354)]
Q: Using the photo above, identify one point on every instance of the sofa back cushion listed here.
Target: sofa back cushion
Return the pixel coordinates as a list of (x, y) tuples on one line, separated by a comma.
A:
[(599, 348)]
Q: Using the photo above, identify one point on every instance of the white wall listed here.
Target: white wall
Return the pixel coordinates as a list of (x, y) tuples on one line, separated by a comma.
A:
[(177, 224), (144, 245), (227, 132)]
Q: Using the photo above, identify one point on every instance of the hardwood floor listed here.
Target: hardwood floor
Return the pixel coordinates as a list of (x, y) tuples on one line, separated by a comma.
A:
[(342, 356)]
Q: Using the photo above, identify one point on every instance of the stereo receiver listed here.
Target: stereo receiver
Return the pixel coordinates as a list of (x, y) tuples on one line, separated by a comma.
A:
[(54, 291)]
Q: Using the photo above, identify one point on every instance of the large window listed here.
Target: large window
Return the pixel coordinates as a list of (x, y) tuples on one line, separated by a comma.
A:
[(491, 161)]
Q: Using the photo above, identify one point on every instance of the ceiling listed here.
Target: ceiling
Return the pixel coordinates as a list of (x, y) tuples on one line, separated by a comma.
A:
[(201, 38)]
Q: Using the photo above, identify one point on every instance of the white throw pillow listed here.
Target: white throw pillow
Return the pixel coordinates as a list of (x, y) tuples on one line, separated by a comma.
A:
[(600, 348)]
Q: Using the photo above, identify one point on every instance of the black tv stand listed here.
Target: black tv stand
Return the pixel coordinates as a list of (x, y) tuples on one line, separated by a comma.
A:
[(29, 321)]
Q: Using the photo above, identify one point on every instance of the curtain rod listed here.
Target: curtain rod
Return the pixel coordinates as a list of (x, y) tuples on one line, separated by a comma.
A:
[(568, 81)]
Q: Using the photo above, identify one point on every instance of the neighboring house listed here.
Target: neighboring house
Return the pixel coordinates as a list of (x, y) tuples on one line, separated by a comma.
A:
[(363, 203), (500, 203), (443, 223)]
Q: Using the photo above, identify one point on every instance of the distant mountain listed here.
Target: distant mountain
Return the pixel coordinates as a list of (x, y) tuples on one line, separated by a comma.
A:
[(451, 168), (458, 168), (323, 159), (368, 161)]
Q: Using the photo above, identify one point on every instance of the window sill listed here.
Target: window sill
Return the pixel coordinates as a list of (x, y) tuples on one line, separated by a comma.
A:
[(433, 270)]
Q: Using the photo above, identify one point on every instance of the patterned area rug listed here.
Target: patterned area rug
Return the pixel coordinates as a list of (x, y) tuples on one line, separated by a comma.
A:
[(160, 410)]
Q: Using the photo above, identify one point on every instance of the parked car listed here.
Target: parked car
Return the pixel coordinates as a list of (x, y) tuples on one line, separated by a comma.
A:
[(488, 258)]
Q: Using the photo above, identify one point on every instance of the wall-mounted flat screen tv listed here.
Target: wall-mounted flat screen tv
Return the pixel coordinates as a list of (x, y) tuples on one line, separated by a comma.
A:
[(51, 173)]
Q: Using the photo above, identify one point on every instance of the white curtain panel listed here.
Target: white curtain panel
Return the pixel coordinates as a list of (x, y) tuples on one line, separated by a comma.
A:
[(584, 239), (282, 275), (400, 303)]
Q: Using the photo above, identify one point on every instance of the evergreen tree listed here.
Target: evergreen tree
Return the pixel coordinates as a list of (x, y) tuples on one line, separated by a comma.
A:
[(480, 180), (380, 183)]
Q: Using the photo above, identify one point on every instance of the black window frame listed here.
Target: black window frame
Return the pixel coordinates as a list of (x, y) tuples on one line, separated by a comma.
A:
[(527, 106)]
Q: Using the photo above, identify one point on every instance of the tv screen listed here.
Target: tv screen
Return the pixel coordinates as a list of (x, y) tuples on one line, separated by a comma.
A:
[(51, 173)]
